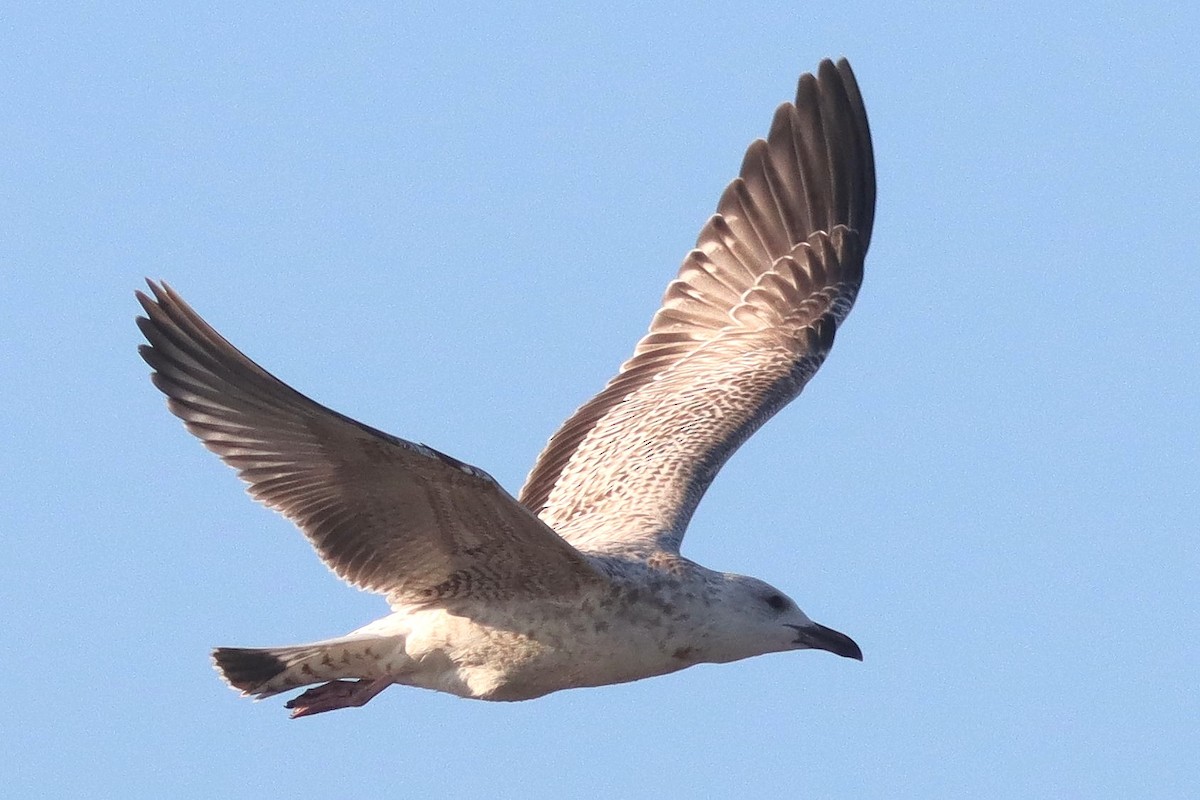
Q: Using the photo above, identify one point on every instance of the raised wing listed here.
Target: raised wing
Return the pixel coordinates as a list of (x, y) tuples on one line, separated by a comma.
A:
[(749, 319), (386, 515)]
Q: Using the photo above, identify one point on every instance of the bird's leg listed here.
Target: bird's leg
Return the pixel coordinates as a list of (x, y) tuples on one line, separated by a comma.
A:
[(336, 694)]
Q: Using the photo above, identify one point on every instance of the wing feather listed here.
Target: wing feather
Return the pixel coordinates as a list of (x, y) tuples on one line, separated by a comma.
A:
[(745, 324), (386, 515)]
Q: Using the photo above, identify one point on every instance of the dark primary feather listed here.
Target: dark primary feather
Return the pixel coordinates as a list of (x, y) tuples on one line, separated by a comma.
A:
[(749, 319), (386, 515)]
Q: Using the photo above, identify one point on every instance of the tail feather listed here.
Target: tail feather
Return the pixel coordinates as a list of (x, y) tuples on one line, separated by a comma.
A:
[(263, 672), (249, 669)]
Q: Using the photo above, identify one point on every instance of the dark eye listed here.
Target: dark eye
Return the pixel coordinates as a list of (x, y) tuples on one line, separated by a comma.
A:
[(777, 602)]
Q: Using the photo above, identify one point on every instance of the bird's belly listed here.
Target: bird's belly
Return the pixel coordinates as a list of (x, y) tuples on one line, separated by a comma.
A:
[(496, 660)]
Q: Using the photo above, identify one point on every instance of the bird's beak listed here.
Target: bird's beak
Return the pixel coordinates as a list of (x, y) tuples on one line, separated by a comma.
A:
[(819, 637)]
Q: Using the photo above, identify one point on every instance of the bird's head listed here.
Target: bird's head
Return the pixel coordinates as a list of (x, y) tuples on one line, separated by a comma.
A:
[(757, 618)]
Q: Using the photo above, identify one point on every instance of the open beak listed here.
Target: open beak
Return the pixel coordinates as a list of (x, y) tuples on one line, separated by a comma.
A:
[(818, 637)]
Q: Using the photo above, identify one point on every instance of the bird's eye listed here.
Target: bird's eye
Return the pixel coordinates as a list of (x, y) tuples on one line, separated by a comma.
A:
[(777, 602)]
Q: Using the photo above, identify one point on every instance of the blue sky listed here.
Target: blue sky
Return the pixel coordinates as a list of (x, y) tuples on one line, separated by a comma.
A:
[(453, 224)]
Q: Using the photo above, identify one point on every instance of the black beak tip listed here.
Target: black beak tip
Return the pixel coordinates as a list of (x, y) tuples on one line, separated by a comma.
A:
[(845, 647)]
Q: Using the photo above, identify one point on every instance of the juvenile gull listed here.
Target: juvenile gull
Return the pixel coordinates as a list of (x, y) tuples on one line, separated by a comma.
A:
[(579, 581)]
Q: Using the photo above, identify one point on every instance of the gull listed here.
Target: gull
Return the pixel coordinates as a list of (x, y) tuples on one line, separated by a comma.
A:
[(579, 580)]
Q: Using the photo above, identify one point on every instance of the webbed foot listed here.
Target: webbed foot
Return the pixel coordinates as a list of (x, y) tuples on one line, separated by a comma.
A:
[(336, 694)]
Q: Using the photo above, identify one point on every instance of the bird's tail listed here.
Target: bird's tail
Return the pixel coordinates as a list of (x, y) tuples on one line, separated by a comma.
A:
[(263, 672)]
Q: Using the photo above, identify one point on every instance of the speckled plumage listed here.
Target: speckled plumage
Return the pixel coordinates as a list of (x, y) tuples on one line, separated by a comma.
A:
[(580, 582)]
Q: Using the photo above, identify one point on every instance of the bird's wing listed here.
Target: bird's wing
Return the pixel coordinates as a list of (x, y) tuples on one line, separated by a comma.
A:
[(386, 515), (747, 322)]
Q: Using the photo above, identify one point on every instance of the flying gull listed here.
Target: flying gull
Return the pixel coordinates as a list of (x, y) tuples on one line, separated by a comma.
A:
[(579, 580)]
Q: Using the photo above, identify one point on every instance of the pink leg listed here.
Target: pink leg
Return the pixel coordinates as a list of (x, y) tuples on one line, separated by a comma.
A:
[(336, 694)]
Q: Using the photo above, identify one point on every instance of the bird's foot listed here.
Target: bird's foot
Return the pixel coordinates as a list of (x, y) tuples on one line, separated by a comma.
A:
[(336, 694)]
